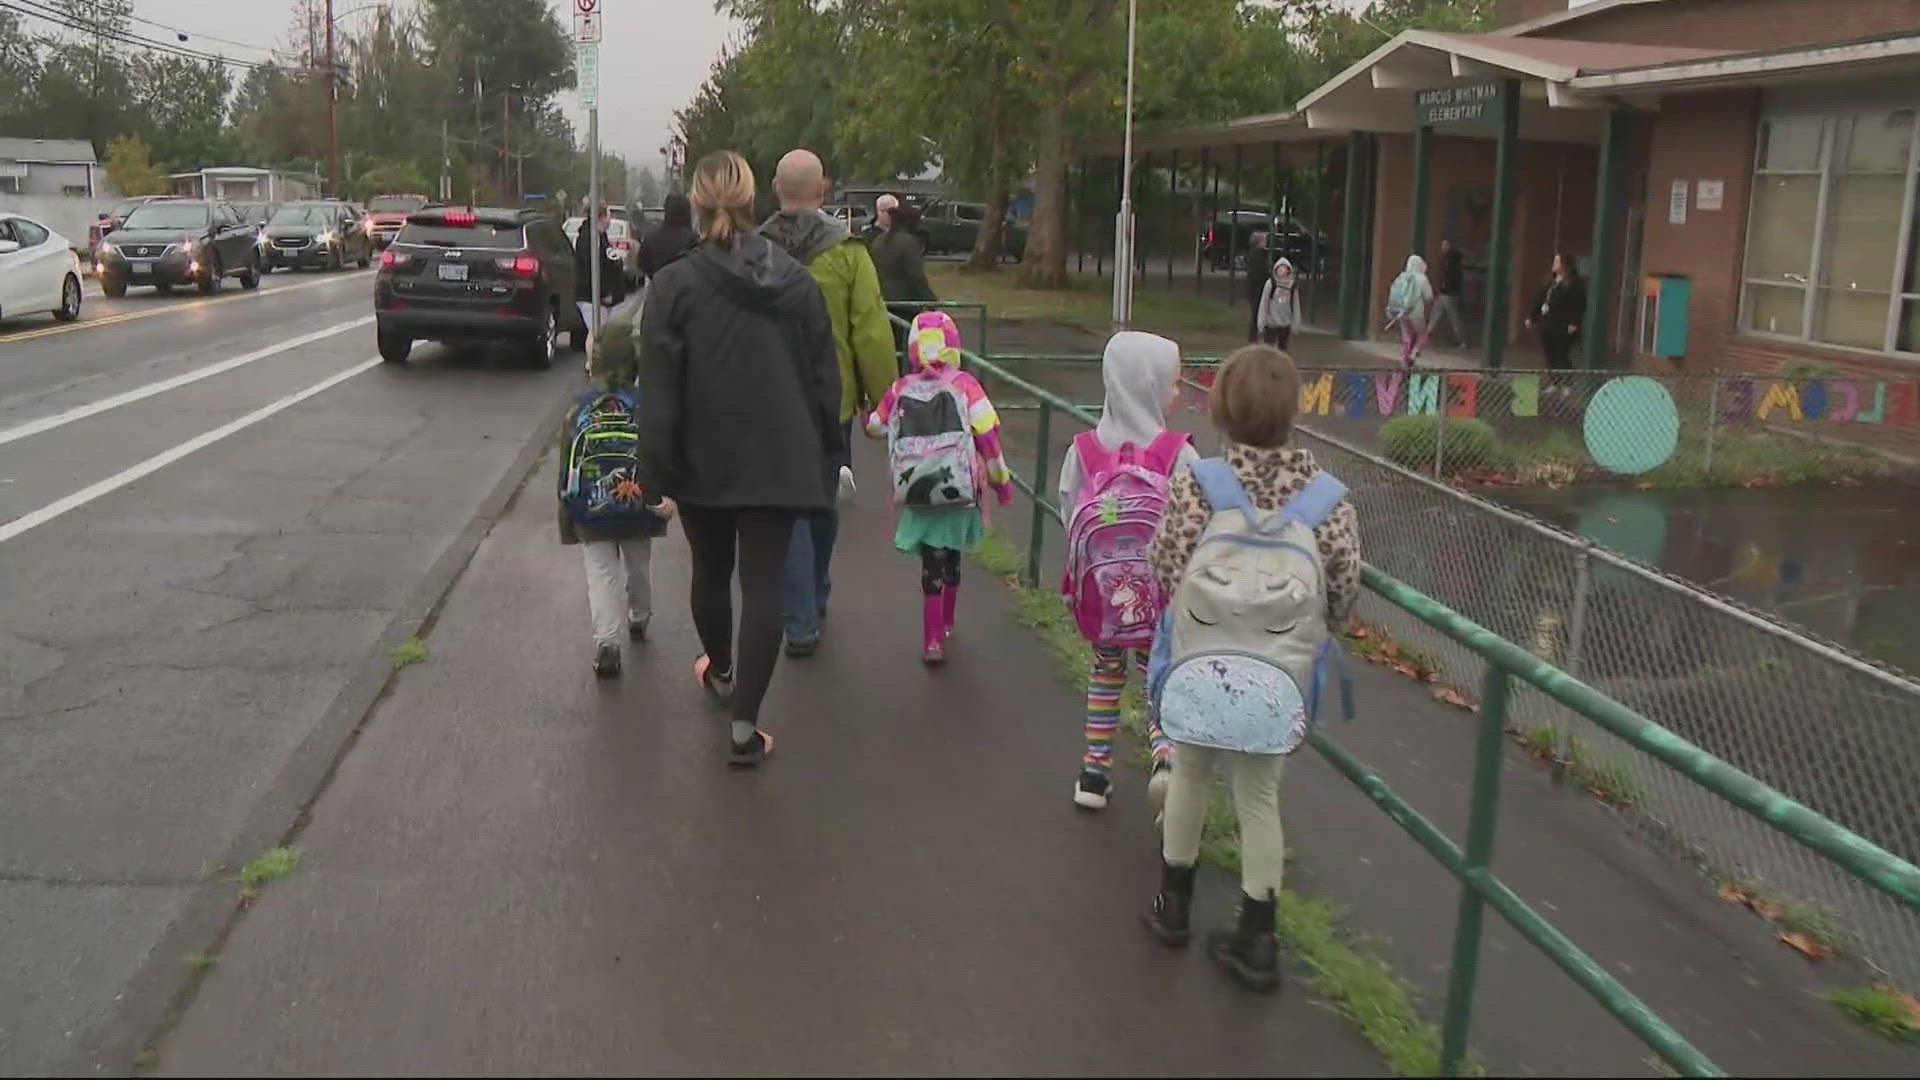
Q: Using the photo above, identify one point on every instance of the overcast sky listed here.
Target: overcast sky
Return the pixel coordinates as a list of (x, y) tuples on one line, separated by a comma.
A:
[(656, 52)]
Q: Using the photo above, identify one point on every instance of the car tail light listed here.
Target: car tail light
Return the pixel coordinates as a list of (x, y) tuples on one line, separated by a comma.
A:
[(1212, 237), (525, 265), (391, 258), (460, 218)]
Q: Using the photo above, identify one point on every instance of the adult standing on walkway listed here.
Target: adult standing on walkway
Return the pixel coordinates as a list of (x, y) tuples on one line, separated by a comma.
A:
[(899, 257), (670, 239), (613, 279), (1557, 312), (1446, 300), (864, 341), (739, 392)]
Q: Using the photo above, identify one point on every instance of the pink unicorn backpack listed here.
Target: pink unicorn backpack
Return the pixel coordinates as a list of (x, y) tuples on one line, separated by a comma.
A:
[(1114, 595)]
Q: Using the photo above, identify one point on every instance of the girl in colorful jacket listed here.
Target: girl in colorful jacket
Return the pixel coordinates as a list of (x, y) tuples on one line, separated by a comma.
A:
[(939, 522)]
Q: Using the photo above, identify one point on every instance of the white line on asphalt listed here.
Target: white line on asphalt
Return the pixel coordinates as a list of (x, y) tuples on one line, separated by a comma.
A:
[(160, 461), (81, 412), (168, 309)]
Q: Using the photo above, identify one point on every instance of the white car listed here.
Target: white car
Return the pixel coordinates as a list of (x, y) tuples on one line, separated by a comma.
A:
[(38, 271)]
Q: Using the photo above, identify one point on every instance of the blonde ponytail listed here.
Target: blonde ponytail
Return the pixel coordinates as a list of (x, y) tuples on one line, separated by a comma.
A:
[(722, 197)]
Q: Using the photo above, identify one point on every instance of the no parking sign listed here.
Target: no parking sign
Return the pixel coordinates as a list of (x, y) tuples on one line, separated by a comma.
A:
[(586, 21)]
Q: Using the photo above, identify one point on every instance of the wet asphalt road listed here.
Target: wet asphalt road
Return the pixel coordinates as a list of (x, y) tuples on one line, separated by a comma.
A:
[(211, 510)]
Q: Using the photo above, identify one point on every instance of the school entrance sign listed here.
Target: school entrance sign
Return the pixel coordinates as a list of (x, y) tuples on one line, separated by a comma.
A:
[(1458, 106)]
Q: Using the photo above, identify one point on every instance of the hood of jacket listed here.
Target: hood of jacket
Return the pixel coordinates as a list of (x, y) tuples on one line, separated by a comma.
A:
[(1139, 370), (805, 235), (933, 346), (753, 270), (676, 209), (1283, 273)]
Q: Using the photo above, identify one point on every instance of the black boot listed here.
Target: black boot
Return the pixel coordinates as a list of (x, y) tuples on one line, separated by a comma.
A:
[(1251, 952), (1166, 920)]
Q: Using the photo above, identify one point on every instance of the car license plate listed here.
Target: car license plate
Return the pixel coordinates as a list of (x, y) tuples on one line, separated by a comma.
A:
[(140, 266), (453, 271)]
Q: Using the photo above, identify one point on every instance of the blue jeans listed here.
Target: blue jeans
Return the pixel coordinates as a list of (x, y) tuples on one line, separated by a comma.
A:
[(808, 580)]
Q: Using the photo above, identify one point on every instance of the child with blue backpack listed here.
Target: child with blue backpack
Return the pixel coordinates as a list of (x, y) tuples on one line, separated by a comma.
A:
[(943, 449), (603, 507), (1260, 552), (1113, 484)]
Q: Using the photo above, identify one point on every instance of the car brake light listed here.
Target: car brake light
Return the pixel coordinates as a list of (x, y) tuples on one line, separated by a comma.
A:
[(1212, 237), (460, 218), (525, 266), (391, 258)]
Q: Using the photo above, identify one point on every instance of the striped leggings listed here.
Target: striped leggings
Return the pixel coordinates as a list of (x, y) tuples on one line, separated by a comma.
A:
[(1105, 682)]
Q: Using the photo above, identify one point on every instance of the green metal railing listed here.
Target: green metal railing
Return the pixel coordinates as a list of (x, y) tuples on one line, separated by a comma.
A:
[(1480, 888)]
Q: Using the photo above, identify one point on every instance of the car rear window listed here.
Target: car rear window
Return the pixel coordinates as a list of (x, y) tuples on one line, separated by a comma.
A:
[(479, 235)]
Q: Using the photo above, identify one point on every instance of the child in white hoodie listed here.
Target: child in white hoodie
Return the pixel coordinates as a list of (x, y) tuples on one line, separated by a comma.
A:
[(1142, 376)]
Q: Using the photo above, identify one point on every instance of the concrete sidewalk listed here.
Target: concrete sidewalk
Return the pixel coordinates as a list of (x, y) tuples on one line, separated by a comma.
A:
[(518, 869)]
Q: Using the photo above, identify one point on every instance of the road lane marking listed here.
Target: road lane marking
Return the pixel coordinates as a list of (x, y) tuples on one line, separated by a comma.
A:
[(81, 412), (192, 305), (167, 457)]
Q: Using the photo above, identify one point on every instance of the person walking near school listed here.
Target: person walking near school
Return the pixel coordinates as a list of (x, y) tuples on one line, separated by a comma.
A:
[(863, 341), (1260, 552), (613, 279), (1407, 302), (943, 450), (899, 257), (1259, 267), (670, 239), (1279, 306), (739, 426), (1557, 311), (604, 508), (1113, 484), (1446, 300)]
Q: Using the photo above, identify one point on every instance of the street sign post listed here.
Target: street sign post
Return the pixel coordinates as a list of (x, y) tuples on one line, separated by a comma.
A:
[(586, 60)]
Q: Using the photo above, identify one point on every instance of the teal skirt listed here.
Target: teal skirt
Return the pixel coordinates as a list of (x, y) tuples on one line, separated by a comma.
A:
[(959, 528)]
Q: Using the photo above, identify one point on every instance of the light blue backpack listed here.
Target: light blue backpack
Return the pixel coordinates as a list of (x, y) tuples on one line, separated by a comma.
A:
[(1244, 656)]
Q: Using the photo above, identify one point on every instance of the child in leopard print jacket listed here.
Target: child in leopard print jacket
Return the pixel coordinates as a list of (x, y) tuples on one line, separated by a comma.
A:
[(1253, 404)]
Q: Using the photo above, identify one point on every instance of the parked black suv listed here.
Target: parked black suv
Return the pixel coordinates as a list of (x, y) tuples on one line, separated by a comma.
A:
[(170, 242), (477, 275), (321, 233), (1231, 238)]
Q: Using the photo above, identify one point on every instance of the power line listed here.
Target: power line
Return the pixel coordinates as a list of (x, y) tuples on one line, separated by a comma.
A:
[(61, 19), (197, 34)]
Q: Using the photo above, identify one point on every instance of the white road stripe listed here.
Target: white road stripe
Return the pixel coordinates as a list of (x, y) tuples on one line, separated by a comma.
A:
[(160, 461), (48, 423)]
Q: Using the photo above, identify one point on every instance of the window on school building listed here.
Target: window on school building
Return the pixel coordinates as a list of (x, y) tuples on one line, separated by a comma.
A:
[(1833, 244)]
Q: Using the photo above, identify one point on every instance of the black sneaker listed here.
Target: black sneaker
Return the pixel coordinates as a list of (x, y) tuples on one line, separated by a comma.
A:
[(718, 684), (637, 629), (801, 648), (751, 753), (1090, 791), (606, 660)]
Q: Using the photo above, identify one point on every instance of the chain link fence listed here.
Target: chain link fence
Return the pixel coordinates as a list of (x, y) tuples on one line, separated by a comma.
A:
[(1836, 732)]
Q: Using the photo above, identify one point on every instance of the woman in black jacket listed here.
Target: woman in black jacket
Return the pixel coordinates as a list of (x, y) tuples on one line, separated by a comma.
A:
[(670, 239), (899, 258), (739, 426), (1558, 311)]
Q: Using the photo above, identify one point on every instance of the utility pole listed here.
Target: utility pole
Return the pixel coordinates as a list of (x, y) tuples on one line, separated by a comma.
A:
[(1123, 261), (446, 164), (506, 143), (333, 133)]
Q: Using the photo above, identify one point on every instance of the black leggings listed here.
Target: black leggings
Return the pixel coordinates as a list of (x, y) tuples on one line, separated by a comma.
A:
[(762, 536), (939, 568)]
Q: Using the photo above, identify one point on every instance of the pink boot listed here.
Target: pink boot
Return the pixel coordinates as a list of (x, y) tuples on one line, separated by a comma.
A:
[(934, 618), (950, 599)]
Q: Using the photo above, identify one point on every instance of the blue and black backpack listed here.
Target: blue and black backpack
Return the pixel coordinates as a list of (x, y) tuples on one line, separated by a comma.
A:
[(601, 484)]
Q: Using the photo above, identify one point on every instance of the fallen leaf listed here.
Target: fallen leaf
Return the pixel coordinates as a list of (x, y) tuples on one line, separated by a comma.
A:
[(1360, 633), (1733, 895), (1407, 669), (1453, 697), (1806, 946), (1765, 909), (1908, 1003)]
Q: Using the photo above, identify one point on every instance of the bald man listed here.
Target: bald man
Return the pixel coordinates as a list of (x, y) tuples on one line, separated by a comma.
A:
[(843, 268)]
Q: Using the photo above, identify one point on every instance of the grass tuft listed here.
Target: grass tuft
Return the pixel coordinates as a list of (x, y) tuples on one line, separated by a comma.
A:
[(1882, 1009), (270, 867), (410, 651)]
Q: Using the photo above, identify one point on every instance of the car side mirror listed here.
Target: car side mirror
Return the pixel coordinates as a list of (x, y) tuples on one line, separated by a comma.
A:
[(103, 217), (8, 247)]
